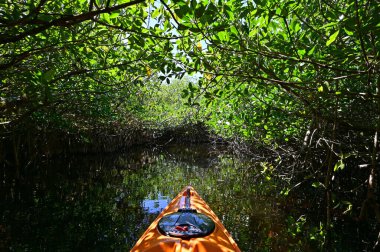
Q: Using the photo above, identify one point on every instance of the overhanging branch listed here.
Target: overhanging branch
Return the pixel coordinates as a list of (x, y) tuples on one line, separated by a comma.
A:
[(65, 21)]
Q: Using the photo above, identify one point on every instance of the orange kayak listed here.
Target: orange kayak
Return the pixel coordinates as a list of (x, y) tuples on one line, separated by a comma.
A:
[(186, 224)]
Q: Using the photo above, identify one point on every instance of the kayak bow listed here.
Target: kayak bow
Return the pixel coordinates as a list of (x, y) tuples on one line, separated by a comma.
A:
[(186, 224)]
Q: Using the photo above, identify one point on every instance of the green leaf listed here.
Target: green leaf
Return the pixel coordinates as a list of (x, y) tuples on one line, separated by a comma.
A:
[(301, 53), (339, 165), (182, 11), (199, 11), (48, 76), (114, 15), (311, 51), (349, 33), (317, 184), (182, 27), (328, 25), (193, 4), (106, 17), (332, 38), (234, 31), (223, 36)]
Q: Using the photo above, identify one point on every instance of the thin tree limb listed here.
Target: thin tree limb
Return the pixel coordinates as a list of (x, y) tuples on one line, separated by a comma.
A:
[(65, 21)]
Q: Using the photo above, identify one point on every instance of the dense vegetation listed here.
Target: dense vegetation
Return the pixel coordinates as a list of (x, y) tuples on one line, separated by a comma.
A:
[(297, 78)]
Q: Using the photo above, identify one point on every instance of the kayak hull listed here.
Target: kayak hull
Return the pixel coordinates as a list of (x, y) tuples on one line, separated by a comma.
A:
[(154, 241)]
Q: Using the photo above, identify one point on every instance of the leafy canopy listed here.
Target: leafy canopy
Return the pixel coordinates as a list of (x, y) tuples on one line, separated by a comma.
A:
[(264, 68)]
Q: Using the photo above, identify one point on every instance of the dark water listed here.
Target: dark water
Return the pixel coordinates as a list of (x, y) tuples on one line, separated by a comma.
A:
[(104, 203)]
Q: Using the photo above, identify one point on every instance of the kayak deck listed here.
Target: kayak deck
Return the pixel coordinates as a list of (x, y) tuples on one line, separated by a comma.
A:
[(218, 240)]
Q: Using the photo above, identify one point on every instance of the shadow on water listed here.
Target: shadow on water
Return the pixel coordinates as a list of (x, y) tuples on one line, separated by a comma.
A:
[(104, 203)]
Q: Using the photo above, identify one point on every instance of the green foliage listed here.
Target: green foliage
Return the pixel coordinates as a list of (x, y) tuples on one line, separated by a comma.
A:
[(162, 104), (253, 113), (264, 68), (76, 65), (270, 66)]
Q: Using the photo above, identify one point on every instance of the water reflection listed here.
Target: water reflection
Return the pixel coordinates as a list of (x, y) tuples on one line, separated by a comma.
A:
[(155, 206), (105, 203)]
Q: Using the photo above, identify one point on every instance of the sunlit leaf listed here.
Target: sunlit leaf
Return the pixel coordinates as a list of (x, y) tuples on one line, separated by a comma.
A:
[(311, 51), (114, 15), (332, 38), (349, 33), (339, 165)]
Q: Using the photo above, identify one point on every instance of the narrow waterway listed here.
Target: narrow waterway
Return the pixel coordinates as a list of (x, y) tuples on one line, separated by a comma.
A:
[(105, 202)]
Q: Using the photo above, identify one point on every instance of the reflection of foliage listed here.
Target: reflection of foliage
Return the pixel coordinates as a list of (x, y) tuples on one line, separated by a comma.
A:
[(67, 211), (244, 201), (88, 203), (297, 230)]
